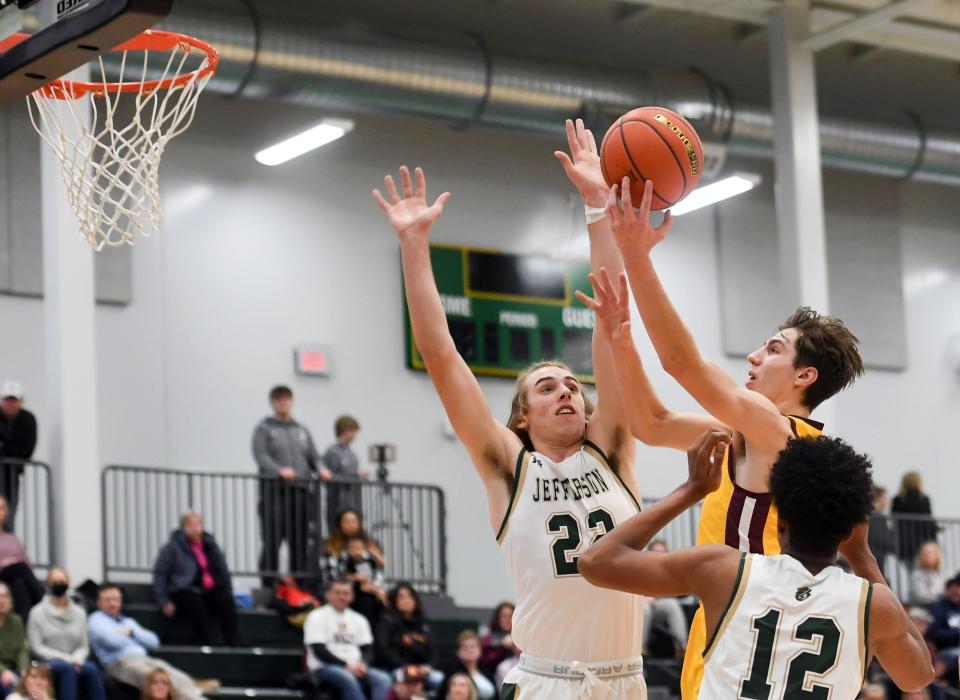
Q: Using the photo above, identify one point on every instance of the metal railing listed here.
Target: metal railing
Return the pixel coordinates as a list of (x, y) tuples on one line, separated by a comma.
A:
[(897, 544), (142, 506), (26, 486)]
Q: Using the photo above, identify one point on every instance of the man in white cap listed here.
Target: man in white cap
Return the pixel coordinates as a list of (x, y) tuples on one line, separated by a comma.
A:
[(18, 438)]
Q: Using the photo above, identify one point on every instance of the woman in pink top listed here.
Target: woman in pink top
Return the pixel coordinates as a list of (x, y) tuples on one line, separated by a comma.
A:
[(191, 580), (15, 570)]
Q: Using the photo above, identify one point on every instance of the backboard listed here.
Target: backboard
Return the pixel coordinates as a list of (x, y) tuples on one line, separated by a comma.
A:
[(42, 40)]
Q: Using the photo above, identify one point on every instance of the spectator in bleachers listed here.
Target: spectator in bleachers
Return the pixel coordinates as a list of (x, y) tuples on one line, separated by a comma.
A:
[(498, 652), (403, 636), (35, 684), (461, 687), (912, 531), (349, 523), (468, 662), (926, 581), (360, 567), (944, 630), (287, 459), (158, 686), (15, 570), (14, 657), (664, 622), (880, 536), (122, 646), (18, 439), (345, 467), (57, 632), (873, 691), (409, 684), (339, 646), (192, 581)]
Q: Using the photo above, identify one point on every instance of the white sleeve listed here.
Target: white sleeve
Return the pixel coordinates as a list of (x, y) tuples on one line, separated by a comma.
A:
[(316, 628), (364, 635)]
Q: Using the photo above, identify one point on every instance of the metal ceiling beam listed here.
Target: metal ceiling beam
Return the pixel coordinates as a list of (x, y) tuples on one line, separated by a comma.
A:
[(855, 26), (937, 41)]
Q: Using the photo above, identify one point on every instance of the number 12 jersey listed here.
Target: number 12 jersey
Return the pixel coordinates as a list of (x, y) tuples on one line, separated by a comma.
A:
[(787, 634)]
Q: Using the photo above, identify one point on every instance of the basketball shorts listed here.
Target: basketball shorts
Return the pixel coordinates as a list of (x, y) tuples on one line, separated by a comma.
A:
[(534, 677)]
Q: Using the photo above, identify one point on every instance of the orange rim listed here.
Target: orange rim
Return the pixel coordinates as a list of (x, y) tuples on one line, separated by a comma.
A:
[(150, 40)]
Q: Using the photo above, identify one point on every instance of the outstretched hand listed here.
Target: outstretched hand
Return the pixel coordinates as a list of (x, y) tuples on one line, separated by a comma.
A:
[(610, 304), (411, 215), (631, 227), (582, 166), (705, 461)]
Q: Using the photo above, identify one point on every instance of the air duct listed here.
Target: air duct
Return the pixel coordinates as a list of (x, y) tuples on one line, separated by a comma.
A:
[(270, 57)]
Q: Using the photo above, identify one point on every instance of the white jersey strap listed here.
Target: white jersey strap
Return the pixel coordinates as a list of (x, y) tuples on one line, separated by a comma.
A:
[(519, 474)]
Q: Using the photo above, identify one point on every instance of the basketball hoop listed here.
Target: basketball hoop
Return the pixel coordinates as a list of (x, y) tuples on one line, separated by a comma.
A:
[(111, 169)]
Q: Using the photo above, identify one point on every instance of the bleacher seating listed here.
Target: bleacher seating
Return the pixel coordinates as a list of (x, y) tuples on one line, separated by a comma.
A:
[(273, 651)]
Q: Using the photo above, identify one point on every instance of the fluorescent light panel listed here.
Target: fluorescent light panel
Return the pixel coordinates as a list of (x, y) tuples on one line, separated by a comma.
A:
[(731, 186), (323, 133)]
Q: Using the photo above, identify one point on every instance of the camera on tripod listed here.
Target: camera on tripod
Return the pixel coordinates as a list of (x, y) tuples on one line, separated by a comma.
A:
[(382, 454)]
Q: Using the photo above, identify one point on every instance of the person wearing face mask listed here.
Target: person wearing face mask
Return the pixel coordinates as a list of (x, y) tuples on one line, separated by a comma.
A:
[(57, 632)]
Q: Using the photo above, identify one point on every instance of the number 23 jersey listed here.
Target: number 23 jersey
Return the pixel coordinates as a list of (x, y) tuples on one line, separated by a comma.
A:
[(556, 511), (787, 634)]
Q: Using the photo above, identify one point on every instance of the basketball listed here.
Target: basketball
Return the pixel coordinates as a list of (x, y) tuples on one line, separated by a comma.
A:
[(653, 143)]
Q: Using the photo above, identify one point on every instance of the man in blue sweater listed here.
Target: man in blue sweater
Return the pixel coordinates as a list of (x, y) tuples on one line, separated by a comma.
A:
[(122, 645)]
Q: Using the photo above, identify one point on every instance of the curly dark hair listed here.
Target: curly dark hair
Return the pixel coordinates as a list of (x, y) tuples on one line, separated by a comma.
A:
[(823, 490), (404, 586), (829, 346)]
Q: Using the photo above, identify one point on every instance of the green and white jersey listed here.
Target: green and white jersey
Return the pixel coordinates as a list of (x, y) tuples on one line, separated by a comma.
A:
[(789, 635), (557, 510)]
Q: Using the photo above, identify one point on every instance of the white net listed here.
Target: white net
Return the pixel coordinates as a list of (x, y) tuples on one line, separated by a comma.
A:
[(110, 159)]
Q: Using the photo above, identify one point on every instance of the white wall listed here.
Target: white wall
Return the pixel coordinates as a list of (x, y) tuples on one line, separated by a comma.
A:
[(254, 260)]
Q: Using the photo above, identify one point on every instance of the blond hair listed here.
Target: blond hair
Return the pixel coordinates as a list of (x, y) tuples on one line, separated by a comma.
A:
[(911, 482), (145, 691), (518, 405), (916, 559), (472, 687)]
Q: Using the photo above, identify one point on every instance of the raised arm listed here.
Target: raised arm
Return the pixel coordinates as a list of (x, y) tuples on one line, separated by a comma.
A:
[(650, 421), (618, 559), (609, 424), (491, 446), (747, 411)]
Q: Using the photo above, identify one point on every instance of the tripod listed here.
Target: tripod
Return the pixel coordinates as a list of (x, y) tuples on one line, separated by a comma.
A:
[(392, 516)]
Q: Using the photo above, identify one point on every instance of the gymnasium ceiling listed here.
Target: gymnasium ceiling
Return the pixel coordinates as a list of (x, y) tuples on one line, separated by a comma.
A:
[(910, 63)]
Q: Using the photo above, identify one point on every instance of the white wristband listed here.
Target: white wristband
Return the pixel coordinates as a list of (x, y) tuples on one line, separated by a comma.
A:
[(594, 214)]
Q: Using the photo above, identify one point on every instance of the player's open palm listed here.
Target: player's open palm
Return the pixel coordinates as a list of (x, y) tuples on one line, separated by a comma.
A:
[(631, 227), (410, 215), (582, 166), (610, 304)]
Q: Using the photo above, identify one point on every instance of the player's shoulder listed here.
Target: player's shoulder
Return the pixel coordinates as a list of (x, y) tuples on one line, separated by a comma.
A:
[(804, 426)]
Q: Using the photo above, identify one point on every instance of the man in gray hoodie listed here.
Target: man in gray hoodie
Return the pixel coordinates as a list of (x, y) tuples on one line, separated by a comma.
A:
[(57, 632), (288, 464)]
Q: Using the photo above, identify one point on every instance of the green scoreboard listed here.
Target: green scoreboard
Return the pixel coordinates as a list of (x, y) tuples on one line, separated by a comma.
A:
[(506, 311)]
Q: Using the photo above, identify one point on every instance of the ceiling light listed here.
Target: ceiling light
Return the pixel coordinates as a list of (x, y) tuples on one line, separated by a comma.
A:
[(731, 186), (323, 133)]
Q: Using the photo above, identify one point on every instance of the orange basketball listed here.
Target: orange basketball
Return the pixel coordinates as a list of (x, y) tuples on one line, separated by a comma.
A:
[(653, 143)]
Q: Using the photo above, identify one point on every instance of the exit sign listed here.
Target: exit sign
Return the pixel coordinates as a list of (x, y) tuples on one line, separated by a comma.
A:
[(313, 361)]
